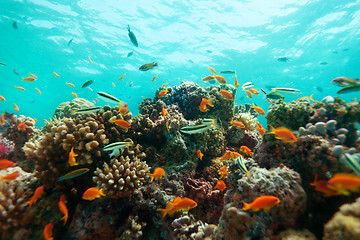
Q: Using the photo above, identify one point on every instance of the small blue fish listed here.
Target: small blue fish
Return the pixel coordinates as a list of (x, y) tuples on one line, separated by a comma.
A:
[(130, 54), (15, 25), (87, 83), (132, 37), (70, 41)]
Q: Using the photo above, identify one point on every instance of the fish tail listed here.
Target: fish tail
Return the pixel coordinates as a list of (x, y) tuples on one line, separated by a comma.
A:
[(163, 212), (101, 192), (64, 218), (151, 175), (211, 104), (272, 129), (215, 124), (246, 206), (310, 98), (29, 203), (156, 64)]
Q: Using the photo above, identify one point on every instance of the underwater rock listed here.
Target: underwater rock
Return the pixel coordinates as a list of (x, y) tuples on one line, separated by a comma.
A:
[(187, 227), (345, 224), (122, 176), (295, 234)]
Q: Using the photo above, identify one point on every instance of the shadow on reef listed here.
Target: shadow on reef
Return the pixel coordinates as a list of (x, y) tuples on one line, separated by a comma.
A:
[(325, 133)]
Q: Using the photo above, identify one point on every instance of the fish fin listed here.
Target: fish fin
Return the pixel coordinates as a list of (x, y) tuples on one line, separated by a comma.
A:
[(64, 218), (246, 206), (256, 209), (163, 212), (271, 130), (101, 192), (310, 98)]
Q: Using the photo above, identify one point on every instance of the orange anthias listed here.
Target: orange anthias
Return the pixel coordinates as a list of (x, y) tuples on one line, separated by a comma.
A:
[(206, 102), (4, 163), (220, 185), (344, 183), (176, 205), (248, 93), (223, 172), (199, 154), (226, 95), (246, 150), (254, 91), (10, 176), (92, 193), (260, 128), (63, 209), (323, 186), (162, 93), (164, 112), (263, 202), (72, 160), (22, 126), (38, 192), (121, 123), (259, 110), (158, 173), (284, 134), (220, 79), (237, 124), (236, 83), (47, 233), (123, 110)]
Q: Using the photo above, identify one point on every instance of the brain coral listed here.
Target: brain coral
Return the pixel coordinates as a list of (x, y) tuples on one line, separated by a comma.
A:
[(122, 176)]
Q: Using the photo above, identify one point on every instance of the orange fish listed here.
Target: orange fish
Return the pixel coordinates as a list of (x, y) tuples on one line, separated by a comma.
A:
[(2, 98), (158, 173), (122, 76), (92, 193), (212, 70), (74, 94), (254, 91), (236, 83), (38, 192), (154, 78), (123, 110), (89, 59), (176, 205), (34, 76), (56, 75), (246, 150), (163, 111), (10, 176), (113, 84), (259, 110), (72, 160), (260, 129), (4, 163), (226, 95), (28, 79), (164, 85), (305, 98), (344, 183), (220, 185), (230, 155), (38, 91), (237, 124), (20, 88), (2, 118), (48, 231), (22, 126), (206, 102), (248, 93), (121, 123), (16, 108), (263, 202), (223, 172), (70, 84), (208, 78), (284, 134), (63, 209), (220, 79), (323, 186), (96, 100), (162, 93), (199, 154)]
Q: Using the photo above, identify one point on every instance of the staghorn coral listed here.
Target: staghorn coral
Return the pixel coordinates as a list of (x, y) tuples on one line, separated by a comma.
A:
[(122, 176), (50, 151), (345, 224), (65, 109), (12, 205)]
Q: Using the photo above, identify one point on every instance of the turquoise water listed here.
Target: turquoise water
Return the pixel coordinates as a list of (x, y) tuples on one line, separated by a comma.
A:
[(320, 39)]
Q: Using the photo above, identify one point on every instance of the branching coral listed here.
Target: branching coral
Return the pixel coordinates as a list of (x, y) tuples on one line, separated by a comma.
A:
[(122, 176), (50, 151)]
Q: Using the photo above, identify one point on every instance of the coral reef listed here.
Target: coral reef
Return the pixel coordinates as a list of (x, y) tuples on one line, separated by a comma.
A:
[(187, 227), (122, 176), (345, 224), (65, 109), (292, 234), (6, 148), (134, 230)]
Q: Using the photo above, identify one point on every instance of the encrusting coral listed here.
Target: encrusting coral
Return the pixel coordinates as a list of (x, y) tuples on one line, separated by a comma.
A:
[(122, 176), (345, 224)]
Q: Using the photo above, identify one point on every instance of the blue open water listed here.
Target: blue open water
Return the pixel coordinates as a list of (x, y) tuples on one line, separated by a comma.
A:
[(320, 39)]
